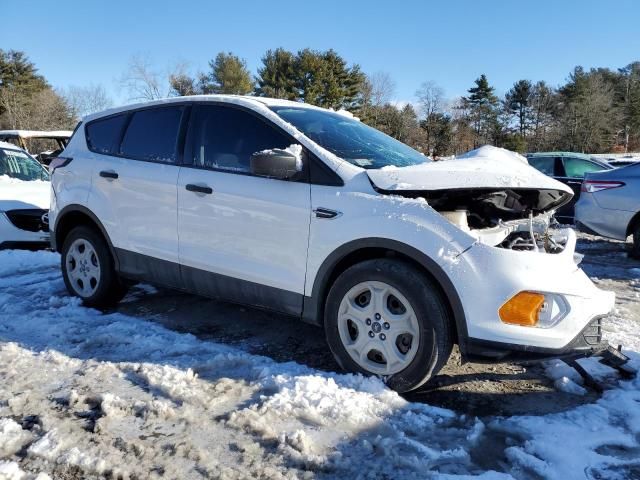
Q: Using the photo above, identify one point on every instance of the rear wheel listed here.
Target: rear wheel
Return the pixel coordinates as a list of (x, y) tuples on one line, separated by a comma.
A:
[(384, 317), (88, 269)]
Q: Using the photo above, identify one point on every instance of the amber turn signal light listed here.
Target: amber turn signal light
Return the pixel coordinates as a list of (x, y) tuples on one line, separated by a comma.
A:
[(522, 309)]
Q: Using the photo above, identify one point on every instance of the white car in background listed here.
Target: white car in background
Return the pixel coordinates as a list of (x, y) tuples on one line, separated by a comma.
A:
[(309, 212), (24, 200)]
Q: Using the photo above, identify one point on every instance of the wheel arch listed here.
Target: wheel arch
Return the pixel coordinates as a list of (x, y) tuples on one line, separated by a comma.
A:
[(370, 248), (75, 215)]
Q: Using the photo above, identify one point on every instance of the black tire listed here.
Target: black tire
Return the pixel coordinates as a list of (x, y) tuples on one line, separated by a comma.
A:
[(109, 289), (635, 245), (431, 311)]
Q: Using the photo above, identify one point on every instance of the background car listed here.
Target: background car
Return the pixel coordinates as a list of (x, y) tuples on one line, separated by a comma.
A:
[(610, 205), (24, 200), (570, 169), (48, 144)]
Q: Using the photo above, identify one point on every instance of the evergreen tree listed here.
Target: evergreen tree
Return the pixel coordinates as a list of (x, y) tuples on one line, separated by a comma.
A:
[(518, 103), (228, 75), (276, 78), (482, 107)]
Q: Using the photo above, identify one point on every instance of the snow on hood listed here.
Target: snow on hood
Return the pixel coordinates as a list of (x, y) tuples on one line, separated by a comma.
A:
[(19, 194), (485, 167)]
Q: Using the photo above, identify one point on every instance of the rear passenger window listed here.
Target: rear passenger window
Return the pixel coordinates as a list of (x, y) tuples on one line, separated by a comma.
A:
[(544, 164), (103, 135), (225, 138), (152, 135)]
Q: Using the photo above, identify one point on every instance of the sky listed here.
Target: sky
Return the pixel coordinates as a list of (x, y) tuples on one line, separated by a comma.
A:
[(448, 42)]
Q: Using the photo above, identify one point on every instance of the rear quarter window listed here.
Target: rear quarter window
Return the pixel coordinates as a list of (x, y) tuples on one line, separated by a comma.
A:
[(152, 135), (103, 135)]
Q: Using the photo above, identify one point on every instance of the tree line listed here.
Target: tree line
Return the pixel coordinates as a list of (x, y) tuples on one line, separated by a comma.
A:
[(594, 111)]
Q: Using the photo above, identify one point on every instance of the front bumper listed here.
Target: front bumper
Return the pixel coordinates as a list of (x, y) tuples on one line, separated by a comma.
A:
[(14, 237), (588, 342), (486, 277)]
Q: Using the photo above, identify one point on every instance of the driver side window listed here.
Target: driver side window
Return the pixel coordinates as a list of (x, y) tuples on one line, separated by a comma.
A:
[(224, 138)]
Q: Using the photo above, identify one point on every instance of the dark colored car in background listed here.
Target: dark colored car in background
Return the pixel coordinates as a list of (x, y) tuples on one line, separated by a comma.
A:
[(570, 169)]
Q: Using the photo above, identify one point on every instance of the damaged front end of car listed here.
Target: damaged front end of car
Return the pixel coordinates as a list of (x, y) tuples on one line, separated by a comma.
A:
[(525, 296)]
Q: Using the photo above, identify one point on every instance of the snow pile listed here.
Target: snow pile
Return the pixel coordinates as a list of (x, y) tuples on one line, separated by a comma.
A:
[(116, 396), (493, 153)]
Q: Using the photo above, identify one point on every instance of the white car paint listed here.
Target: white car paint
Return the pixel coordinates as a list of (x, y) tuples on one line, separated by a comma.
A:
[(252, 228), (20, 195), (255, 229)]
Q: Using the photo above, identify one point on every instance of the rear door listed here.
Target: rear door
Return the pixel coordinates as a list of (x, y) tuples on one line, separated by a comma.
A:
[(242, 237), (134, 189)]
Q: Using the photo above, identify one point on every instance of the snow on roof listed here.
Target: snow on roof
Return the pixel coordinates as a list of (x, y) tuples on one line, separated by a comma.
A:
[(35, 133), (9, 145), (245, 100)]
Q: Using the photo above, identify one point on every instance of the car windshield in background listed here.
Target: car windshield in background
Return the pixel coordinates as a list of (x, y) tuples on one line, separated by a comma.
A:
[(351, 139), (19, 165)]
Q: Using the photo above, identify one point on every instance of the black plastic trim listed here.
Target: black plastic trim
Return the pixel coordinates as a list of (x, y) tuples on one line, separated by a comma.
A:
[(84, 210), (491, 351), (314, 304), (140, 267)]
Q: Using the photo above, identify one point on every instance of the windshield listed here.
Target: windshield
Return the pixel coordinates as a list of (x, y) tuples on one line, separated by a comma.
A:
[(351, 139), (19, 165)]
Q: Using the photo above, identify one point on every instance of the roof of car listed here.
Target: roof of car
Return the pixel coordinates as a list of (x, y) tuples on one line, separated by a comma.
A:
[(560, 154), (245, 100), (35, 133)]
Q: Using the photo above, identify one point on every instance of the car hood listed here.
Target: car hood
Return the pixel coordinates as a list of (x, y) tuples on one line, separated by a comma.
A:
[(18, 194), (488, 171), (465, 173)]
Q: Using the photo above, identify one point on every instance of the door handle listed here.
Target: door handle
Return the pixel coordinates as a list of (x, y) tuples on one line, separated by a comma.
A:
[(109, 174), (199, 188), (574, 182), (322, 212)]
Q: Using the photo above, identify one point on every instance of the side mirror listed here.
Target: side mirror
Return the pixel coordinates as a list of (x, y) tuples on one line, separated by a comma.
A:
[(274, 163)]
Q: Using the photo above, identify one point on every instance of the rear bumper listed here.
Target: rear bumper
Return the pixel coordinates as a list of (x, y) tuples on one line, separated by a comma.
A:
[(587, 342), (594, 219)]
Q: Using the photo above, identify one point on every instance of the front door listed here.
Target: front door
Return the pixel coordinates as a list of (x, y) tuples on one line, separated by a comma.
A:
[(242, 237)]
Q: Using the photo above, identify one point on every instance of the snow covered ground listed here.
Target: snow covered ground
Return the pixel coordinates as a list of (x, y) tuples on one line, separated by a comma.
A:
[(85, 394)]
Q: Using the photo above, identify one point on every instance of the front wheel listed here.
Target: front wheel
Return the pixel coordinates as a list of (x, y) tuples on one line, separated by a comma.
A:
[(385, 317), (88, 269)]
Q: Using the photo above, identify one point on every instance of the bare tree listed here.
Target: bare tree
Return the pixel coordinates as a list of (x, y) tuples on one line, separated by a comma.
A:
[(86, 100), (382, 88), (141, 80), (431, 99)]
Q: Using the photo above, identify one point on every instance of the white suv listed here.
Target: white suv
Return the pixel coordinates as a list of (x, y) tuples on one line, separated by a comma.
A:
[(311, 213)]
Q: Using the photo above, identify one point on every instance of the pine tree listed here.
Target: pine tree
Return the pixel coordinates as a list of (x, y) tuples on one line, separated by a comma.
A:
[(482, 105), (276, 77), (518, 103), (228, 75)]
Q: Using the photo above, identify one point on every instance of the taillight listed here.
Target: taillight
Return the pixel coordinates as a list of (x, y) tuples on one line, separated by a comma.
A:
[(59, 162), (593, 186)]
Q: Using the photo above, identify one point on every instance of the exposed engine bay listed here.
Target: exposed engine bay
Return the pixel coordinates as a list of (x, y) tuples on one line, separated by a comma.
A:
[(516, 219)]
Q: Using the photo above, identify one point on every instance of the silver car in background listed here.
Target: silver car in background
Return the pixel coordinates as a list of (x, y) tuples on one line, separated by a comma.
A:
[(610, 205)]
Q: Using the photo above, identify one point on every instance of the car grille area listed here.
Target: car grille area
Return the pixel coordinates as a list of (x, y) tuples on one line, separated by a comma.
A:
[(29, 219)]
